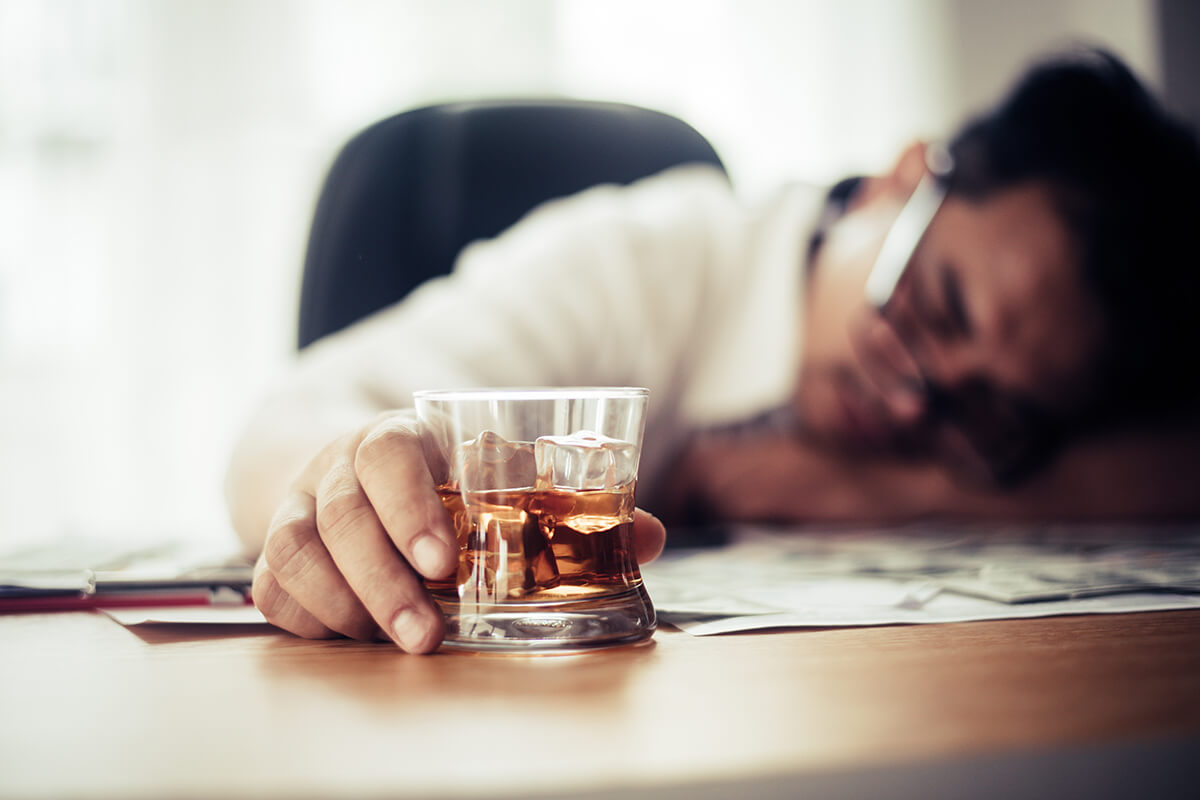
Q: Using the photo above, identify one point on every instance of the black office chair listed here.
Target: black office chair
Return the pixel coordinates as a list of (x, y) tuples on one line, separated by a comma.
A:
[(406, 195)]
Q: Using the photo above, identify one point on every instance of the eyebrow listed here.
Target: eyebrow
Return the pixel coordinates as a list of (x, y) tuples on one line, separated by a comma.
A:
[(952, 295)]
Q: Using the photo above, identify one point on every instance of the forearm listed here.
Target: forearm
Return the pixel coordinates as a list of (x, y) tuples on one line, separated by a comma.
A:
[(785, 480), (1132, 476), (1147, 474)]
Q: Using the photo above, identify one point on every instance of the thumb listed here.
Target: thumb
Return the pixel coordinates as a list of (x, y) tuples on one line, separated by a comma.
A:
[(649, 536)]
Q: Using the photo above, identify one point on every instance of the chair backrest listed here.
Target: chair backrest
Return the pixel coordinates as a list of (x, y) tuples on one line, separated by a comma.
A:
[(406, 195)]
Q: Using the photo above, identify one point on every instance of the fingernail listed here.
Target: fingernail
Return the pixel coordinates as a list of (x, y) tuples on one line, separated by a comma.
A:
[(906, 400), (430, 556), (904, 405), (406, 626)]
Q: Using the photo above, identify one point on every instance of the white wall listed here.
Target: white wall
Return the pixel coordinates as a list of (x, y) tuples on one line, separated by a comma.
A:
[(159, 161), (987, 40)]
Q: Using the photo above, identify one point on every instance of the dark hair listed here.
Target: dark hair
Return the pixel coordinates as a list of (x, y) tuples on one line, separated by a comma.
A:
[(1126, 178)]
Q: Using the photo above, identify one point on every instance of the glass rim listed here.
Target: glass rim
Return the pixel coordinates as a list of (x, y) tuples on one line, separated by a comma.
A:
[(535, 393)]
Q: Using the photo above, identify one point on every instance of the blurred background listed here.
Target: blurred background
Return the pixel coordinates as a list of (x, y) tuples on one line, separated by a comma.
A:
[(160, 159)]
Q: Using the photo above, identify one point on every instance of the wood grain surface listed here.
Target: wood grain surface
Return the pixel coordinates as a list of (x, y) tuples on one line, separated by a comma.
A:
[(91, 709)]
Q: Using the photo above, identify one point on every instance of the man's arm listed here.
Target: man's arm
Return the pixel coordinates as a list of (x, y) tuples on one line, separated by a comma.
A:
[(1134, 475)]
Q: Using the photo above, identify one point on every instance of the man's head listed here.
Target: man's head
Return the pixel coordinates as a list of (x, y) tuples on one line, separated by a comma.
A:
[(1051, 292)]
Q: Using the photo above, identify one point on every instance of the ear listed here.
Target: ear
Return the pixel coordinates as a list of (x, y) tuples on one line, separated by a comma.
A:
[(908, 170)]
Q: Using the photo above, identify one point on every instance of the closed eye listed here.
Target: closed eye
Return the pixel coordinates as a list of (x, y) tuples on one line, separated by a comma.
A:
[(952, 299)]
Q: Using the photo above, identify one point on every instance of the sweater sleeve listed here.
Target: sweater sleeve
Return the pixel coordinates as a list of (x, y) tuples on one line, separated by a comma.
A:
[(670, 283), (603, 288)]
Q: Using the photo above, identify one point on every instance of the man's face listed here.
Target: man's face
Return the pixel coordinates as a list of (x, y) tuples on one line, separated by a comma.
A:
[(991, 309)]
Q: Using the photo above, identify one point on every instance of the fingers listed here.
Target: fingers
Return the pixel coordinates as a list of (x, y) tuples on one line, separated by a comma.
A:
[(369, 562), (331, 566), (296, 584), (278, 607), (390, 465), (649, 536), (890, 367)]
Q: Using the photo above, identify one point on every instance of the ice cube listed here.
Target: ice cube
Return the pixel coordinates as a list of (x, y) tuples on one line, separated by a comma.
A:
[(490, 462), (584, 460)]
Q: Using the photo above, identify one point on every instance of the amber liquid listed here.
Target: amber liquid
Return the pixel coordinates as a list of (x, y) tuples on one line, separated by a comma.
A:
[(540, 545)]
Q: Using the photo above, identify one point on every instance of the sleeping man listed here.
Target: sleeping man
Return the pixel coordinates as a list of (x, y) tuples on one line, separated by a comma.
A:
[(1001, 326)]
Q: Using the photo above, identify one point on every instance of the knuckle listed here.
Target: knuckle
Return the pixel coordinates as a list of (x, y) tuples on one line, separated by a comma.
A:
[(290, 552), (269, 597), (290, 513), (281, 609), (382, 447), (343, 512)]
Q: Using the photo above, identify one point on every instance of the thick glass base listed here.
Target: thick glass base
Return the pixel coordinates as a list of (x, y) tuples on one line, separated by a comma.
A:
[(605, 621)]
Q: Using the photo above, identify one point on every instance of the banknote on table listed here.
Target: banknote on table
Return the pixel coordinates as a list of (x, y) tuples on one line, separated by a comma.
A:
[(1019, 564), (925, 573)]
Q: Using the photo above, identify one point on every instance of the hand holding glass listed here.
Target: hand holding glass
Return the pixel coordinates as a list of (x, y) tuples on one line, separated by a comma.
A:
[(540, 486)]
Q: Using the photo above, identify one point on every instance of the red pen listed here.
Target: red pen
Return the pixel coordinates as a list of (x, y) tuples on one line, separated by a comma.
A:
[(224, 596)]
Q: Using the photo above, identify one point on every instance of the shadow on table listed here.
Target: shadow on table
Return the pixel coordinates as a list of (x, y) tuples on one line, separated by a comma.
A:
[(162, 633), (383, 676)]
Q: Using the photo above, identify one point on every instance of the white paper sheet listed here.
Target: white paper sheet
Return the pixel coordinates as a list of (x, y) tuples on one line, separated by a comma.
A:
[(200, 615), (770, 578)]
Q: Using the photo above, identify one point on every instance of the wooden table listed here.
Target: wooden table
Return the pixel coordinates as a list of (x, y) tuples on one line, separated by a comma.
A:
[(91, 709)]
